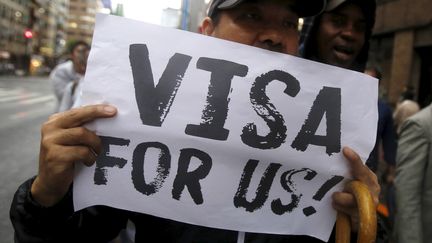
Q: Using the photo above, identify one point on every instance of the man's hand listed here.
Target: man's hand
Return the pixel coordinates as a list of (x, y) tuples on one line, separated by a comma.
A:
[(65, 141), (345, 201)]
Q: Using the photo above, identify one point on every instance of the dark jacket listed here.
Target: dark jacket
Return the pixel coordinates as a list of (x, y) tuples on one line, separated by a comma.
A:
[(34, 223), (386, 134)]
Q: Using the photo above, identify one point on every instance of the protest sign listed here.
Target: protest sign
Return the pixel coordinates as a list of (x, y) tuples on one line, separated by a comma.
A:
[(219, 134)]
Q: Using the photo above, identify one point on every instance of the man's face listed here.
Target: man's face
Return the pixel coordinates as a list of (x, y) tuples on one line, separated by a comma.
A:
[(79, 58), (341, 35), (270, 25)]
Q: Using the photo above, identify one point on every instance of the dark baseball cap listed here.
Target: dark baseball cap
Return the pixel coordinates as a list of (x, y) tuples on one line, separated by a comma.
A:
[(304, 8), (368, 8)]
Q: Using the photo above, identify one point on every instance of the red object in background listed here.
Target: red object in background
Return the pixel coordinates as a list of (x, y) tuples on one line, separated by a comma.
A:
[(383, 210), (28, 34)]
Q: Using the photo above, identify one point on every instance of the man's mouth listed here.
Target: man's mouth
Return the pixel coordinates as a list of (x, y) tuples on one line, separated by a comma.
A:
[(344, 52)]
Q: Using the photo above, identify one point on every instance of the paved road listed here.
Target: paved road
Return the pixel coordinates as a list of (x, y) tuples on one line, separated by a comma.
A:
[(25, 103)]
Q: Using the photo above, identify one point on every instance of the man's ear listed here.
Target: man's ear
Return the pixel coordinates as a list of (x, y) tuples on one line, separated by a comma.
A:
[(207, 26)]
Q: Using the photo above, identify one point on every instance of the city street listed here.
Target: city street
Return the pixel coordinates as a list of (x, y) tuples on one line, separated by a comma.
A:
[(25, 103)]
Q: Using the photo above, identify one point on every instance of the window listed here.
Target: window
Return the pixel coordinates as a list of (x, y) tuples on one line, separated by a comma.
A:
[(3, 10)]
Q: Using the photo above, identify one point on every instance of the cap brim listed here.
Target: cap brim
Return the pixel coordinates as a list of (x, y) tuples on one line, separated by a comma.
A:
[(304, 8), (333, 4), (309, 8), (229, 4)]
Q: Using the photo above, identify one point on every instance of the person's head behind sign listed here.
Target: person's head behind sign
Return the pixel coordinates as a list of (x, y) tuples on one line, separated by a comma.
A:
[(268, 24), (79, 52), (340, 35)]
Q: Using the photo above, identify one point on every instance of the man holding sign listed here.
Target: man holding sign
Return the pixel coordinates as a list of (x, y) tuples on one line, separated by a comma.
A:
[(42, 209)]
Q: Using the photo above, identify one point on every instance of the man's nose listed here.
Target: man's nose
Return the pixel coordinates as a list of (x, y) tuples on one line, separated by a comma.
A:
[(271, 39), (348, 31)]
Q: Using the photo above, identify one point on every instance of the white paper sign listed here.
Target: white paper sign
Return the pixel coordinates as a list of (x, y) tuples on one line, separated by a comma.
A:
[(219, 134)]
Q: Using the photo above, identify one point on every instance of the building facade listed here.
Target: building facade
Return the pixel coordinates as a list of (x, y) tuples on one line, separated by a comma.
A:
[(33, 33), (14, 47), (81, 19), (402, 46), (48, 25)]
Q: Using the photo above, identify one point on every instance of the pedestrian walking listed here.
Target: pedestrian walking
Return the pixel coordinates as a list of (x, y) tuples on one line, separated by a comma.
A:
[(66, 76)]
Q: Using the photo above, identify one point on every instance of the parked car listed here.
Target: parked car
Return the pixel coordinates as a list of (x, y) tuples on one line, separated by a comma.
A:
[(7, 68)]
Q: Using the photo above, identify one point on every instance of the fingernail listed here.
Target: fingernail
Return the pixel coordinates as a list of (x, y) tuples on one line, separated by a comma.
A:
[(110, 109), (347, 150)]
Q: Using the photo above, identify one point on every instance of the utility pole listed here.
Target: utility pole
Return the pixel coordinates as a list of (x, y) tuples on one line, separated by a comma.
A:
[(184, 24)]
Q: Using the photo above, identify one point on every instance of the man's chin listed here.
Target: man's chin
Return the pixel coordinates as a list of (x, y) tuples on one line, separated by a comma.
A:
[(342, 60), (343, 63)]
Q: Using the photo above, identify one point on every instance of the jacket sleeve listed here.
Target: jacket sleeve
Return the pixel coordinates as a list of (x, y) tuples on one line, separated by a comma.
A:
[(411, 162), (59, 223), (59, 78)]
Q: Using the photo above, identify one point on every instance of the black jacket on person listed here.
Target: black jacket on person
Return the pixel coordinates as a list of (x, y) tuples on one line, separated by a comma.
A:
[(59, 223)]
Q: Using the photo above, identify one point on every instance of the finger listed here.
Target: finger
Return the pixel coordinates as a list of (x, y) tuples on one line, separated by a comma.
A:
[(362, 173), (78, 154), (340, 201), (79, 116), (79, 136), (358, 170), (59, 161), (344, 201)]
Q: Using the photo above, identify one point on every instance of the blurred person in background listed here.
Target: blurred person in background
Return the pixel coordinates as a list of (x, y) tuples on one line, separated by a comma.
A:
[(413, 179), (408, 93), (405, 107), (72, 90), (403, 111), (70, 72)]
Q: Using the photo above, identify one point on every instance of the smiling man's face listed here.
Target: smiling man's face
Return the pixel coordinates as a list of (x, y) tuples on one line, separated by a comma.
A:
[(341, 35)]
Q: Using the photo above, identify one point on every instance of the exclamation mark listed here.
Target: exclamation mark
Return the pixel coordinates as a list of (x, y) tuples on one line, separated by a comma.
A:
[(322, 191)]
